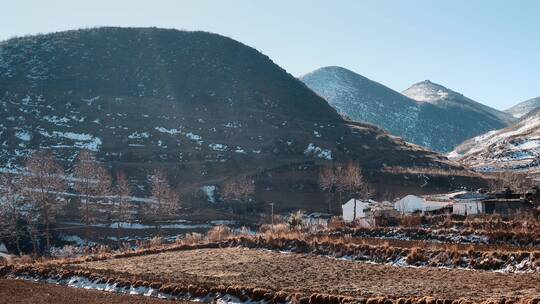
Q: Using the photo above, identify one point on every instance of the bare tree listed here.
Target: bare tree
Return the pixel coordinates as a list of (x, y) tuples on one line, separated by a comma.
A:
[(328, 182), (331, 180), (11, 208), (354, 183), (238, 190), (122, 207), (91, 179), (33, 232), (166, 200), (42, 183)]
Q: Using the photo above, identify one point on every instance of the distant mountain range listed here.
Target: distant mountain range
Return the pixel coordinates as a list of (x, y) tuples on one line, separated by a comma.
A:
[(513, 148), (201, 106), (523, 108), (427, 113)]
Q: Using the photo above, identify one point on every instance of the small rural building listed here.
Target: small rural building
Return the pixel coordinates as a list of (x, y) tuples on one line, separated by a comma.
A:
[(356, 209), (469, 203), (479, 203), (468, 207), (416, 204)]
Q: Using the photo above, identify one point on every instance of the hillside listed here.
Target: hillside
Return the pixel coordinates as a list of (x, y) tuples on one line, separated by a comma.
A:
[(427, 114), (199, 105), (514, 148), (365, 100), (523, 108)]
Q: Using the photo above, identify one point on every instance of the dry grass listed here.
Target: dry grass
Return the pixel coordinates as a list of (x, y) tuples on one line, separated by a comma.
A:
[(218, 234)]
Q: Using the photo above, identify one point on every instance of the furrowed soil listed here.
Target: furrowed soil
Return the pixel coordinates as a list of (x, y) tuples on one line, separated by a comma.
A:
[(25, 292), (317, 274)]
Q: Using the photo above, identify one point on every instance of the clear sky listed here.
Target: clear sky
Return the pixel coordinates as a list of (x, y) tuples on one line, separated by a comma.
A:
[(488, 50)]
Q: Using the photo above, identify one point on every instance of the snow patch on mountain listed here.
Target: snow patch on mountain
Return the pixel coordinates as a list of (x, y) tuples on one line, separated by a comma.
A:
[(523, 108), (427, 91), (319, 152), (513, 148)]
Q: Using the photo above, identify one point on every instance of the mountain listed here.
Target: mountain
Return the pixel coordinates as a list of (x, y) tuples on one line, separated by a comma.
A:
[(513, 148), (523, 108), (201, 106), (427, 114), (365, 100)]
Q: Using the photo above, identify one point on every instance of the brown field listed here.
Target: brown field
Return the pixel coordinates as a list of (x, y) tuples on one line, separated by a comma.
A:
[(315, 274), (25, 292)]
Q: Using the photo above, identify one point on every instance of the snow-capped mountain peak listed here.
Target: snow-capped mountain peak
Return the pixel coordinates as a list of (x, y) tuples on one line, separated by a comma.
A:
[(427, 91)]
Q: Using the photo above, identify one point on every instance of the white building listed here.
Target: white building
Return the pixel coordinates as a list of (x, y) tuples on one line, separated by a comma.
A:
[(357, 209), (412, 203), (469, 203), (468, 207)]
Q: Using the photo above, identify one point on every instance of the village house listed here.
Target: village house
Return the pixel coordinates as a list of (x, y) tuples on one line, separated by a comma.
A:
[(468, 203), (356, 209), (417, 204)]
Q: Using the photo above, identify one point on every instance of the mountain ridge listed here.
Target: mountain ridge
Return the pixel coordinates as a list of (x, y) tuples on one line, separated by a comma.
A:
[(445, 121)]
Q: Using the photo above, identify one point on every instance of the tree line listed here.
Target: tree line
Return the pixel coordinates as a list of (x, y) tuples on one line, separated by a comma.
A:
[(31, 200)]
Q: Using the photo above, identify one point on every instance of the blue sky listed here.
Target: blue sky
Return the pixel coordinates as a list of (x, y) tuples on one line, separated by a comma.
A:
[(488, 50)]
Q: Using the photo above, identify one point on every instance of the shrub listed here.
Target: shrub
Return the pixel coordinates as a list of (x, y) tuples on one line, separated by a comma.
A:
[(218, 233), (192, 238), (156, 241), (296, 220)]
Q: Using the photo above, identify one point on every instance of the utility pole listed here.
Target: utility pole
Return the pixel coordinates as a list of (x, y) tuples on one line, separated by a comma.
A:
[(272, 205)]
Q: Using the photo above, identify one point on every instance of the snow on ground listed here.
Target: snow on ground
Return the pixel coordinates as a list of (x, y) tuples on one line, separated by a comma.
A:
[(218, 147), (81, 140), (168, 131), (194, 137), (318, 152), (210, 191), (23, 135), (137, 135)]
